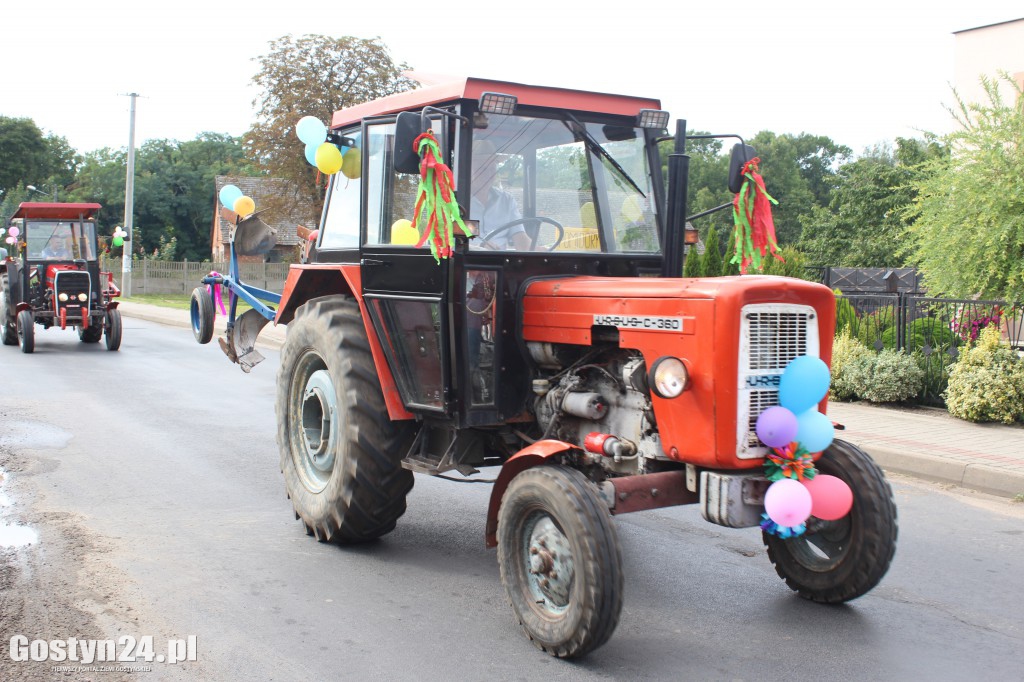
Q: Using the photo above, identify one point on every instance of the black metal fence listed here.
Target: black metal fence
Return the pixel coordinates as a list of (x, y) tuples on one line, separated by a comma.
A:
[(933, 330)]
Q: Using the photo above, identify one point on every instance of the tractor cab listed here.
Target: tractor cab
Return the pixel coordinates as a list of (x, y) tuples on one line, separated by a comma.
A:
[(544, 191), (53, 276)]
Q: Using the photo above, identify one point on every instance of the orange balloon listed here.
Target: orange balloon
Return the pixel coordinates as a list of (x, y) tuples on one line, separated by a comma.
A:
[(244, 206)]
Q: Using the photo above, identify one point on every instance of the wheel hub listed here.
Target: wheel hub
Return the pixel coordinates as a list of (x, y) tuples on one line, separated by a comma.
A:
[(550, 564), (319, 409)]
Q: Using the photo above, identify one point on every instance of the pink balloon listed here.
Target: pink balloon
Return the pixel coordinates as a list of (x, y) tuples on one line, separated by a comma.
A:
[(831, 498), (776, 427), (14, 231), (787, 503)]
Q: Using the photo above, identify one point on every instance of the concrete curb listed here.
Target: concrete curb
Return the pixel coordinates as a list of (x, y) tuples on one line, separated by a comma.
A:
[(980, 477)]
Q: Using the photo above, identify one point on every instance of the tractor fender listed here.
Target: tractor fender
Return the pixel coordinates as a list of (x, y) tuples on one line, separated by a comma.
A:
[(530, 456), (312, 280)]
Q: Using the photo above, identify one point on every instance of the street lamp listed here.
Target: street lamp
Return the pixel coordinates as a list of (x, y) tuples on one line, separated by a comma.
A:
[(45, 194)]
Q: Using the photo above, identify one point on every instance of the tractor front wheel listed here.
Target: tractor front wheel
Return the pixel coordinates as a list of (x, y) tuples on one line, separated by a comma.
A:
[(560, 560), (340, 452), (836, 561), (91, 334), (112, 329), (8, 320), (26, 331)]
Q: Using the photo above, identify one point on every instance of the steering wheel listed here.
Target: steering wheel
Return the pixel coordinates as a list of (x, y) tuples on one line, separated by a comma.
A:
[(485, 242)]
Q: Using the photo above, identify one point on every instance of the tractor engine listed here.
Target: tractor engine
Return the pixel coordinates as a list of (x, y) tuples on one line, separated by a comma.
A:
[(603, 405)]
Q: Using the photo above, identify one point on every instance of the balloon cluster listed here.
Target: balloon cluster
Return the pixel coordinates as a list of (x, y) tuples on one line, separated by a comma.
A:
[(232, 198), (12, 234), (119, 235), (326, 156), (794, 429)]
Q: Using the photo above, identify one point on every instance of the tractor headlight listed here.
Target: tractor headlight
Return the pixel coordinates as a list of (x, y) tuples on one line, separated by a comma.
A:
[(668, 377), (82, 297), (62, 297)]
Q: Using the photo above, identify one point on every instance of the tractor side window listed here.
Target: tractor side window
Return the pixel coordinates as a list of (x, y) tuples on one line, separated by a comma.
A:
[(391, 196), (341, 214)]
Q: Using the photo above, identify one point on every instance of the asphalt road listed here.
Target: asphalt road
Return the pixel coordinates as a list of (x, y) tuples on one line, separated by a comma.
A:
[(151, 477)]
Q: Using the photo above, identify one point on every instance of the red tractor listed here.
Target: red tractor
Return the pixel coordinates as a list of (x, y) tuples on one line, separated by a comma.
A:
[(57, 279), (558, 343)]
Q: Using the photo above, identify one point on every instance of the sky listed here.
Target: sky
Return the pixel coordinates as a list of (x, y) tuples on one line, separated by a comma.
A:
[(860, 73)]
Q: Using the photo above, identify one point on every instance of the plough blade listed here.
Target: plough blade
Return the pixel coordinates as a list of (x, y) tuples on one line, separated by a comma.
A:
[(239, 342)]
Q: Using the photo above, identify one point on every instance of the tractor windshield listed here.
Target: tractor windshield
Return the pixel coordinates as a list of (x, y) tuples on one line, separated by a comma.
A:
[(561, 183), (61, 240)]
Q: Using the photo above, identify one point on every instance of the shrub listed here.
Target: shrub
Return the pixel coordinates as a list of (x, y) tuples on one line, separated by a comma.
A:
[(886, 377), (924, 331), (845, 351), (846, 314), (987, 383), (874, 324)]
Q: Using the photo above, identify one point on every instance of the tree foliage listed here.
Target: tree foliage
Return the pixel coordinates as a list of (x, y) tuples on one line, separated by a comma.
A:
[(313, 75), (968, 229), (31, 158), (867, 215), (174, 190)]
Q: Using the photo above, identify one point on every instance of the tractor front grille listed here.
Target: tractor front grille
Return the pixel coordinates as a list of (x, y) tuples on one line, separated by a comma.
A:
[(72, 283), (771, 336)]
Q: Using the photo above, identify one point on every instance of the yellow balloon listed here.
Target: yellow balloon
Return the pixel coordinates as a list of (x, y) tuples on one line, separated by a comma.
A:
[(328, 158), (353, 164), (402, 232), (631, 209), (244, 206), (588, 217)]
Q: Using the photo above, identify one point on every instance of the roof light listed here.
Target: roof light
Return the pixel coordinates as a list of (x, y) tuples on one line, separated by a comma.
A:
[(498, 103), (652, 118)]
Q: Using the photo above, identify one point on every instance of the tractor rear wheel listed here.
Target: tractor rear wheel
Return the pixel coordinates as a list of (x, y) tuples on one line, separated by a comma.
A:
[(340, 453), (560, 562), (836, 561), (112, 328), (8, 320), (202, 313), (26, 331)]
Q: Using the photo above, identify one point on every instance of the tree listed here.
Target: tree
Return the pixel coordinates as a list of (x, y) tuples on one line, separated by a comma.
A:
[(968, 217), (314, 75), (31, 158), (867, 214), (174, 190), (712, 265)]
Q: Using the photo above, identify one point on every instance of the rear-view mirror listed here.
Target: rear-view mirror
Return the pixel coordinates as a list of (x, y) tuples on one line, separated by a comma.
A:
[(741, 153), (408, 127)]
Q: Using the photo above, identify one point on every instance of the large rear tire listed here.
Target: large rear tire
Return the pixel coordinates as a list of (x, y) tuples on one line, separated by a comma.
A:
[(836, 561), (560, 561), (8, 320), (340, 452), (26, 331)]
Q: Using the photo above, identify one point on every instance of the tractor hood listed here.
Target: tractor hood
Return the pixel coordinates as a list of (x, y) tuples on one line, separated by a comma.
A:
[(565, 310)]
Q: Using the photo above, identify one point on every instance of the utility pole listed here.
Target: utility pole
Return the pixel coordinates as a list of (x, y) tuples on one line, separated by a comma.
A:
[(129, 201)]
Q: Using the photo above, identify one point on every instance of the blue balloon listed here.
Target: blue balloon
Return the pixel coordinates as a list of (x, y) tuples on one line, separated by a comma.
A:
[(229, 195), (310, 130), (311, 153), (814, 431), (804, 383)]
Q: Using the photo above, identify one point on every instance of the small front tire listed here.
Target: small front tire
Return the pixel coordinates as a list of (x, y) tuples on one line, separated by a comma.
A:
[(112, 329), (836, 561), (26, 331), (560, 561)]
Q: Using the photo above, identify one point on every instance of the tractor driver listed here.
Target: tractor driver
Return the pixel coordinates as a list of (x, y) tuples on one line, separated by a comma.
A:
[(492, 206), (58, 247)]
